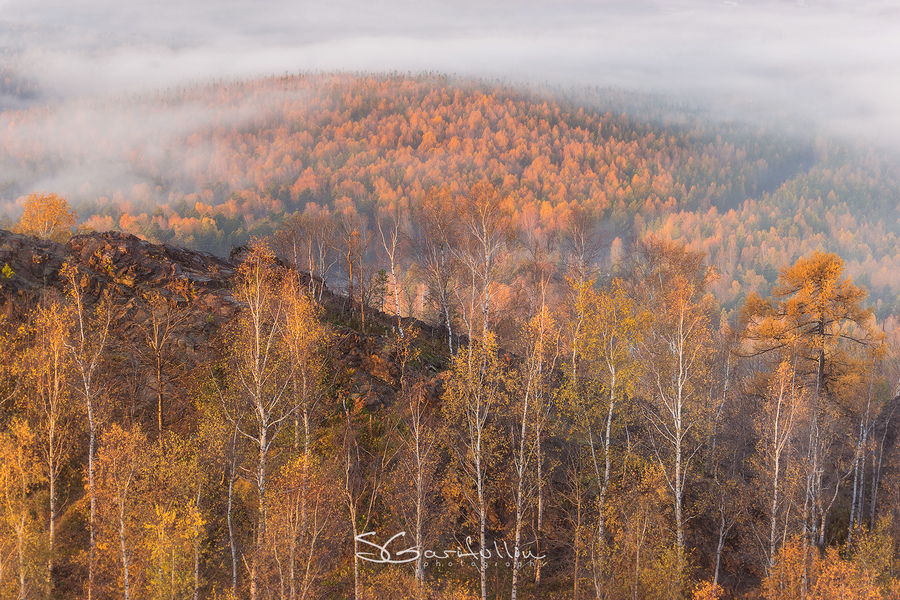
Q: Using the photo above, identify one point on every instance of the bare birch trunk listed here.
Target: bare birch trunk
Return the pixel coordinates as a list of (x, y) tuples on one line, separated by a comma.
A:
[(124, 550), (231, 478)]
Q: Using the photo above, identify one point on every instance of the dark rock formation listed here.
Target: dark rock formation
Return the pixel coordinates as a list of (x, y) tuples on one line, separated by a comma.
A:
[(131, 270)]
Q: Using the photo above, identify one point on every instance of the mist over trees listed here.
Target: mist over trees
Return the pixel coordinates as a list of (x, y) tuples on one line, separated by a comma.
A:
[(478, 345), (208, 166)]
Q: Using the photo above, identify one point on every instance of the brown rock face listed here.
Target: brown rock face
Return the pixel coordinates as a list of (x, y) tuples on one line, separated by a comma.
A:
[(114, 260), (132, 270)]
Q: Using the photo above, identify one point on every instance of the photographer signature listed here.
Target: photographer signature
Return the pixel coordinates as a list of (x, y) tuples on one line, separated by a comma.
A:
[(412, 553)]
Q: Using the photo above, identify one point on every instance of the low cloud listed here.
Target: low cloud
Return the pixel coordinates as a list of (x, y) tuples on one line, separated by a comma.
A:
[(835, 63)]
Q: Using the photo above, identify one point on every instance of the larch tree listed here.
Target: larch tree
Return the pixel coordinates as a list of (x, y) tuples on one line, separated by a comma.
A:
[(814, 313), (813, 309)]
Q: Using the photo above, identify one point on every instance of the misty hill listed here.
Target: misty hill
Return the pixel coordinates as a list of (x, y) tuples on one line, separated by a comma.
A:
[(198, 286), (209, 166)]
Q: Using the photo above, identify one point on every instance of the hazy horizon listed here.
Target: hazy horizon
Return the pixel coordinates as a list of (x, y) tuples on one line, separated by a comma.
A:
[(832, 64), (835, 59)]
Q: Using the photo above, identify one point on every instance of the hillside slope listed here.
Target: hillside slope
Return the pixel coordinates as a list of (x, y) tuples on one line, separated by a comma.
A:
[(230, 160)]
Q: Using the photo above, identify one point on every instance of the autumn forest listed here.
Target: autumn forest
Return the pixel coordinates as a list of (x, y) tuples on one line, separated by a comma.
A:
[(352, 336)]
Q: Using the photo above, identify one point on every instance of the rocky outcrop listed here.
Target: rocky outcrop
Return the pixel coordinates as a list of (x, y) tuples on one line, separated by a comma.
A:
[(132, 269), (112, 261)]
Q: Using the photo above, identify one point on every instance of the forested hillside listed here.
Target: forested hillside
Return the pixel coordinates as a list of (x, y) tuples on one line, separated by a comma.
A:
[(208, 166), (480, 344)]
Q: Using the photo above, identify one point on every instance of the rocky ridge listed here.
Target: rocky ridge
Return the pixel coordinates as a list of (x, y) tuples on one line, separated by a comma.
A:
[(131, 269)]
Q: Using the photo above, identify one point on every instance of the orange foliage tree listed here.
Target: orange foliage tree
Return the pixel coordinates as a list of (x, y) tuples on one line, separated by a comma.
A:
[(810, 308), (47, 216)]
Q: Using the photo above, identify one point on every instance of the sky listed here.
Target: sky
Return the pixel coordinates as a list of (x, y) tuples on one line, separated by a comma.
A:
[(836, 62)]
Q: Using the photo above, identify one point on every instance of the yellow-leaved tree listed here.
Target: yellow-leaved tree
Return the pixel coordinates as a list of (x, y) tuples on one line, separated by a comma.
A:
[(813, 309), (475, 392), (675, 352), (46, 371), (258, 401), (47, 216), (121, 480), (19, 476)]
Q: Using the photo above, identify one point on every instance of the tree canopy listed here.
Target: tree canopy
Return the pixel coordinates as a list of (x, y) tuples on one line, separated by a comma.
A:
[(812, 308), (47, 216)]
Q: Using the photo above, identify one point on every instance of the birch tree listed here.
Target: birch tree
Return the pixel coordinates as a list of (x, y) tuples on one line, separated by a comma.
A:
[(435, 231), (121, 480), (418, 456), (675, 354), (352, 243), (390, 229), (322, 231), (87, 345), (473, 396), (542, 349), (19, 475), (486, 230), (865, 403), (778, 424), (259, 399), (48, 374), (614, 328), (166, 312), (366, 454), (307, 240), (302, 339), (47, 216), (176, 524), (528, 413)]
